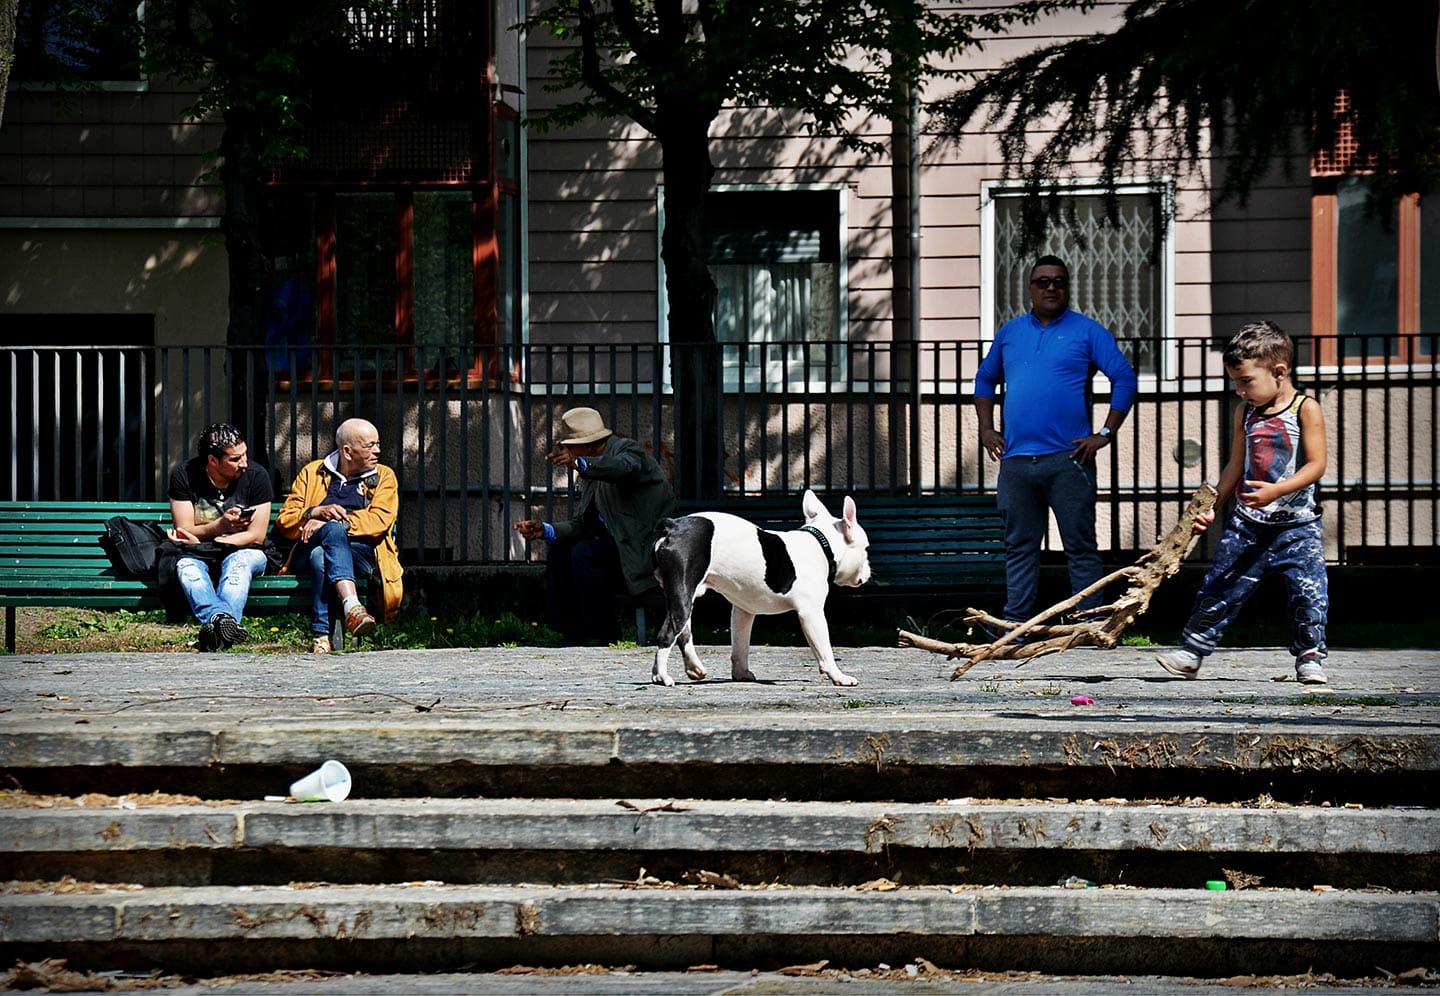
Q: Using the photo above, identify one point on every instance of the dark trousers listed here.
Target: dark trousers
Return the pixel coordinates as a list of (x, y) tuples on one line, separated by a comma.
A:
[(582, 578), (1030, 488)]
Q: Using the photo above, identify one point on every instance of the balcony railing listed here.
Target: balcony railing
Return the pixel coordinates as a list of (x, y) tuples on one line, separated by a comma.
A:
[(466, 428)]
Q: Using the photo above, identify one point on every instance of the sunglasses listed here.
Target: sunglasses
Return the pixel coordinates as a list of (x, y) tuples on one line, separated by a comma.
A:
[(1045, 283)]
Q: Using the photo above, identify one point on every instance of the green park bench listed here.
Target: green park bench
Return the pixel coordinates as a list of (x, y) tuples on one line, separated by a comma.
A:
[(50, 555)]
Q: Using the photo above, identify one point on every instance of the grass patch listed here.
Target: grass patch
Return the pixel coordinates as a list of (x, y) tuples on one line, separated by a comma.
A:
[(66, 630), (79, 623), (1138, 640)]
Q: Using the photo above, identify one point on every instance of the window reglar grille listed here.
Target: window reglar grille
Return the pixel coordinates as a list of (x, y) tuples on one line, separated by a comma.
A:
[(1115, 278)]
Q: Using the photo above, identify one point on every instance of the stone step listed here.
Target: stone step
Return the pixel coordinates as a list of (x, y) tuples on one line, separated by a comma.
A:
[(700, 825), (427, 910), (872, 738)]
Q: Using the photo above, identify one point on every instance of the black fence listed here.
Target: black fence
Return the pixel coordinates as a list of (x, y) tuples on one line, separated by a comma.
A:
[(466, 427)]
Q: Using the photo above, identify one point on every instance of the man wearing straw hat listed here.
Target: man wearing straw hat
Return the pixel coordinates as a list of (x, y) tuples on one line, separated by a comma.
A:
[(609, 541)]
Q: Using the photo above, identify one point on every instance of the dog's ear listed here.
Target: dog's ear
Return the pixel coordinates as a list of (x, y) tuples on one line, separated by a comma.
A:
[(812, 506), (848, 522)]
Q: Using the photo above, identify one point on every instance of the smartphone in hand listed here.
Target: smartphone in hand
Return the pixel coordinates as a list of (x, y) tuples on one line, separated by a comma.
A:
[(246, 514)]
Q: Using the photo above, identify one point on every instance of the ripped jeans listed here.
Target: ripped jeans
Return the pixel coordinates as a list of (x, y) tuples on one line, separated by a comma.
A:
[(207, 599), (1246, 554)]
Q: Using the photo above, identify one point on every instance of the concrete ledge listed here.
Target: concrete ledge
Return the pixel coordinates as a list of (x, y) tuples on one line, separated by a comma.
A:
[(719, 826), (669, 739), (391, 912)]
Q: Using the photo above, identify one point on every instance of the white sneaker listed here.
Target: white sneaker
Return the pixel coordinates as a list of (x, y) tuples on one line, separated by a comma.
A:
[(1308, 670), (1182, 662)]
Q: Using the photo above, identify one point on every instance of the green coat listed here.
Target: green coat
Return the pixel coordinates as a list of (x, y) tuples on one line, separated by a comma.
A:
[(632, 495)]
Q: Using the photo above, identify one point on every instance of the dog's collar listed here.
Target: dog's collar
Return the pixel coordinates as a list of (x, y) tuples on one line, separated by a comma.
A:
[(824, 545)]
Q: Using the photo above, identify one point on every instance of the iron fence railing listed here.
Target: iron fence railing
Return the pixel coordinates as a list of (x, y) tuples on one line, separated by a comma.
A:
[(466, 427)]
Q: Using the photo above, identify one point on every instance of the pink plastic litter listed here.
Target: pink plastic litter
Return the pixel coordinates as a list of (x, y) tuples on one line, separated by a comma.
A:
[(1081, 700)]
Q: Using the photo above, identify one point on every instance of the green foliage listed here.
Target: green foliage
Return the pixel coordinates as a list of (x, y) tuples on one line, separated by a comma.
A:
[(654, 61), (1181, 80), (479, 630)]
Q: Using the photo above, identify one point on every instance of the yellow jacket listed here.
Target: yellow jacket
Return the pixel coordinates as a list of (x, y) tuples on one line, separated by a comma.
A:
[(374, 522)]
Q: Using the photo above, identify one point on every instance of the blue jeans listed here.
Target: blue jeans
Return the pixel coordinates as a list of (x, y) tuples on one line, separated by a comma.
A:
[(1246, 554), (207, 600), (1029, 489), (332, 556)]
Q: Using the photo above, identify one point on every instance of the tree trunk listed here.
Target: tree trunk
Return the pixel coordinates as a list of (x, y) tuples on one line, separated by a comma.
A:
[(8, 9), (694, 354), (241, 147)]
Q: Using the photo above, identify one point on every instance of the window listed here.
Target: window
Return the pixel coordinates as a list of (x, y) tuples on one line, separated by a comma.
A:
[(1375, 273), (393, 281), (1118, 271), (777, 258), (69, 42), (365, 269), (443, 248)]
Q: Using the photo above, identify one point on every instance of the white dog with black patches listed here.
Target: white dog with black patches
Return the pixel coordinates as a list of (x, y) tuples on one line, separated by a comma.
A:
[(761, 573)]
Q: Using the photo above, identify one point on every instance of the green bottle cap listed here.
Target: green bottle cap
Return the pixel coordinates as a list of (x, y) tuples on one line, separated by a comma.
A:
[(1215, 885)]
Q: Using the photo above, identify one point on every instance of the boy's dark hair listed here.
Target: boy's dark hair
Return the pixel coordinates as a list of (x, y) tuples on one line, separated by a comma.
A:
[(1264, 342), (217, 438), (1048, 260)]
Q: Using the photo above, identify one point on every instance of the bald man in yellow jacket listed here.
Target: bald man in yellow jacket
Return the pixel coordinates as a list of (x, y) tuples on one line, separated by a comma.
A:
[(341, 511)]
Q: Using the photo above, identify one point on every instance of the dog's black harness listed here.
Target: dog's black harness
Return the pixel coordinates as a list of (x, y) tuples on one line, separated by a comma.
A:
[(824, 545)]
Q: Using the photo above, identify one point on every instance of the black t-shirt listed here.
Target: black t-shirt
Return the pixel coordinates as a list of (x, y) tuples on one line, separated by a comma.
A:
[(189, 482)]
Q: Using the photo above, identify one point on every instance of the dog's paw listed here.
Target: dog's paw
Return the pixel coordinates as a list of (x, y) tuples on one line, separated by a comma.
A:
[(843, 680), (662, 679), (695, 672), (743, 676)]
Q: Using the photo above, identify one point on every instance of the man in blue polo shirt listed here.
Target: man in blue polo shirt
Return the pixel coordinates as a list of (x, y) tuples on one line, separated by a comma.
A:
[(1046, 359)]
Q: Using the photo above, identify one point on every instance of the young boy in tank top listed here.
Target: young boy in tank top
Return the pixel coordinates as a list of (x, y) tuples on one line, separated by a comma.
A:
[(1276, 457)]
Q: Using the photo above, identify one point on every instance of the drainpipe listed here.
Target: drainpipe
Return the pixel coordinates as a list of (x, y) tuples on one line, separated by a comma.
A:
[(912, 140)]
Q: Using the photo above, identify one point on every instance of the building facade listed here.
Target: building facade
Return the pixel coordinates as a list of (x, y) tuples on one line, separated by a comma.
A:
[(458, 277)]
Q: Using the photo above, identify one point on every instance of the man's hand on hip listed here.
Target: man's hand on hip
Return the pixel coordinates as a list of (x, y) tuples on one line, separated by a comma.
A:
[(993, 443), (1087, 446)]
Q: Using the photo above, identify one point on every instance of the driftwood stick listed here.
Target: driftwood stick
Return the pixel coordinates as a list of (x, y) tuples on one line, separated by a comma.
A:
[(975, 617), (1102, 626), (1071, 602)]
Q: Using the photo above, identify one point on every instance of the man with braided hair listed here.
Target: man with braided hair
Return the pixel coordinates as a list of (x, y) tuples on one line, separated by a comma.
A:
[(219, 498)]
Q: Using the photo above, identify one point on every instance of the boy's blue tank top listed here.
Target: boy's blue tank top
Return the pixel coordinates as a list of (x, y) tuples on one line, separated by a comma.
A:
[(1273, 452)]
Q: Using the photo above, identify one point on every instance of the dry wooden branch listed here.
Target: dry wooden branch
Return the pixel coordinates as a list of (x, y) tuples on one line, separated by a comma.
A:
[(1102, 626)]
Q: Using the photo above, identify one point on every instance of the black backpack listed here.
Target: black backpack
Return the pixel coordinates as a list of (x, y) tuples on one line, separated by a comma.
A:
[(132, 546)]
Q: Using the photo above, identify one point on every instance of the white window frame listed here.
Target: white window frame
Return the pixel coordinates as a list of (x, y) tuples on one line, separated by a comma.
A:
[(992, 190), (819, 381)]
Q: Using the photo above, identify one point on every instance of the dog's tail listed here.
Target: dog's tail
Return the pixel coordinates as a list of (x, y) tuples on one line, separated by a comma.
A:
[(663, 529)]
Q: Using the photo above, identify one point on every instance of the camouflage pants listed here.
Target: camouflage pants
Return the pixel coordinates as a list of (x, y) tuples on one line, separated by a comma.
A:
[(1247, 553)]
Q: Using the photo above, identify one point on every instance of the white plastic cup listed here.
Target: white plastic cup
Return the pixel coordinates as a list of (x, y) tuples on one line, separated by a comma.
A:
[(328, 783)]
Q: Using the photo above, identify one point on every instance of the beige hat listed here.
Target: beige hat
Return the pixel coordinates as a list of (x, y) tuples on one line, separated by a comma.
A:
[(582, 425)]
